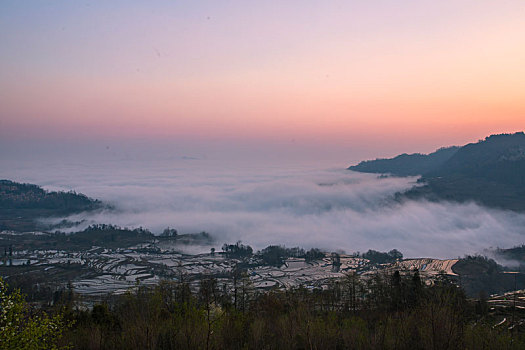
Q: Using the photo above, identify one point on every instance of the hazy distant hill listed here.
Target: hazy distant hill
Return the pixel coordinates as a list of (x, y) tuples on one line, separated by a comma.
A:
[(491, 171), (407, 164), (21, 204), (499, 158)]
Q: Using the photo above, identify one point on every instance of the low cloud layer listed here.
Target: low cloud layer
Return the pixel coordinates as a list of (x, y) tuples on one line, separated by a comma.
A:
[(333, 209)]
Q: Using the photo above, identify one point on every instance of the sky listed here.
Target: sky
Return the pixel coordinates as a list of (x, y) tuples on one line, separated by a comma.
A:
[(340, 79)]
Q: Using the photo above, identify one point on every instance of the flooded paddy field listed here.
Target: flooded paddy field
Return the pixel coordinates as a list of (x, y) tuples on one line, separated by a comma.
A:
[(96, 272)]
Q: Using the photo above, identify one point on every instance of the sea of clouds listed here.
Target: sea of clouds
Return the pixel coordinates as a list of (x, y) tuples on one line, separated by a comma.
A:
[(304, 205)]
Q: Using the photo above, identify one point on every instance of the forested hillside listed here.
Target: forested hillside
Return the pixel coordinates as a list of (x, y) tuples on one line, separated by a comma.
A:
[(407, 164), (22, 204), (491, 172)]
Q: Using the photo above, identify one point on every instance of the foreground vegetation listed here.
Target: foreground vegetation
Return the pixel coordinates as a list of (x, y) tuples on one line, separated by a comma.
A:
[(383, 312), (23, 327)]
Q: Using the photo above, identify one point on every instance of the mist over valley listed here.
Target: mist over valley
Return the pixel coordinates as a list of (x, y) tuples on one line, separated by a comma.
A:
[(303, 205)]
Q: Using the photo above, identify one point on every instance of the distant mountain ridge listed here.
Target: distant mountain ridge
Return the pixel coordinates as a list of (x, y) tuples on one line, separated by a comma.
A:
[(491, 172), (407, 164), (499, 158)]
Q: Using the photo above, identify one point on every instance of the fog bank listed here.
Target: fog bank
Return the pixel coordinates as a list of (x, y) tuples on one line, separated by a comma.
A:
[(302, 205)]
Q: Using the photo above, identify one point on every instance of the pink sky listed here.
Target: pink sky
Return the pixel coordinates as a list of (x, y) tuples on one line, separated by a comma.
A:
[(419, 74)]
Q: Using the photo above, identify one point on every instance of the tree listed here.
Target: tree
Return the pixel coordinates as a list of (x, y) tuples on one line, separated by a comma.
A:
[(395, 254), (313, 254), (213, 312), (22, 329), (336, 261), (237, 250), (169, 232)]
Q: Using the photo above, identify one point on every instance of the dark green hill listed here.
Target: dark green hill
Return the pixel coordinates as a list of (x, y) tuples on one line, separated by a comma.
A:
[(21, 204), (407, 164), (491, 172), (498, 158)]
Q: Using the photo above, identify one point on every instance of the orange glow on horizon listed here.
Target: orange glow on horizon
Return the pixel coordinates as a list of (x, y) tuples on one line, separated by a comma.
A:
[(325, 75)]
